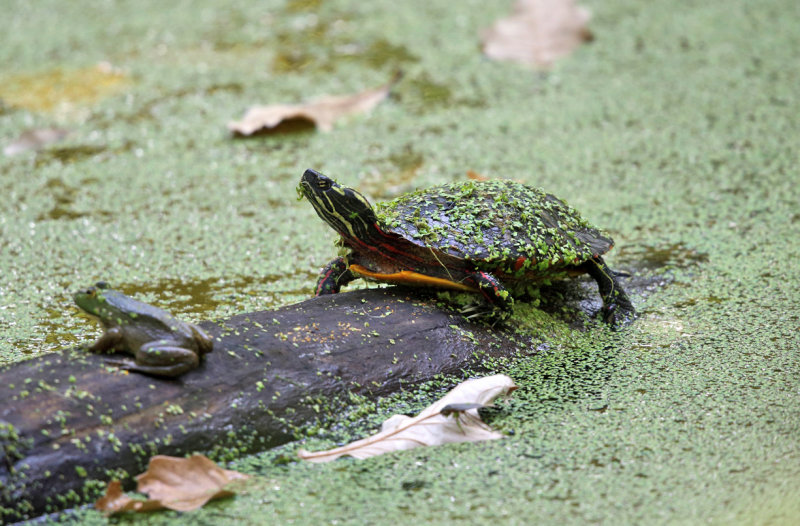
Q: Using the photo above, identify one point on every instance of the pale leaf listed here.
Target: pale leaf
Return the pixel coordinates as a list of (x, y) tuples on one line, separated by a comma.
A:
[(322, 112), (454, 418), (538, 32), (34, 140), (181, 484)]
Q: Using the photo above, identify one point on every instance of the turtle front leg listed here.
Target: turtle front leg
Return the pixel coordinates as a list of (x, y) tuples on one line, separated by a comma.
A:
[(618, 310), (334, 275)]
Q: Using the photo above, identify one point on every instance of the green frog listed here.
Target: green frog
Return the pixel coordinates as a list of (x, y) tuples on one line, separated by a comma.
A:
[(160, 343)]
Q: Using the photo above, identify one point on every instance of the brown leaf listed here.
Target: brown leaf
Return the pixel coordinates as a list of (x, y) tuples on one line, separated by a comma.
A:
[(185, 484), (454, 418), (322, 112), (115, 501), (538, 32), (181, 484)]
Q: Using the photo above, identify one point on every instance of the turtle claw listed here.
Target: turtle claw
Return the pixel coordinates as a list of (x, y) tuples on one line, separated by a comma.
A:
[(473, 311), (616, 317), (479, 311)]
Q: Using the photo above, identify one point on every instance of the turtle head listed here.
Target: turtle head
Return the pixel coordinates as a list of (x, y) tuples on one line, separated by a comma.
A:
[(344, 209)]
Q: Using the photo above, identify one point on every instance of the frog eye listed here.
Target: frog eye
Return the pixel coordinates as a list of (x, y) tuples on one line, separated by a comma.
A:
[(101, 285), (91, 292)]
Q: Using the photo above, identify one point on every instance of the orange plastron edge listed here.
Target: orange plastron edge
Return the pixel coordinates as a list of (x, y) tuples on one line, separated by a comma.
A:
[(408, 277)]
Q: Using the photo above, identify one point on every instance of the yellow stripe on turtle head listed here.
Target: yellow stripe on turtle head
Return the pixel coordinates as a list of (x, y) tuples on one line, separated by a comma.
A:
[(345, 210)]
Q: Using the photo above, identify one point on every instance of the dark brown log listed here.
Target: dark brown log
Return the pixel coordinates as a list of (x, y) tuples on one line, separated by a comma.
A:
[(66, 418)]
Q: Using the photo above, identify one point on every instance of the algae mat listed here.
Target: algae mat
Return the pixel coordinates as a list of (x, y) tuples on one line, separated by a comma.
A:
[(675, 129)]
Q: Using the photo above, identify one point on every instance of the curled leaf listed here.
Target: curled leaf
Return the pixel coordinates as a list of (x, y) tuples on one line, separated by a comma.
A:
[(454, 418), (538, 32), (322, 112), (181, 484)]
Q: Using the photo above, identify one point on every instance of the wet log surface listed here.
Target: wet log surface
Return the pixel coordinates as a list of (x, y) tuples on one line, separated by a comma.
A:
[(67, 418)]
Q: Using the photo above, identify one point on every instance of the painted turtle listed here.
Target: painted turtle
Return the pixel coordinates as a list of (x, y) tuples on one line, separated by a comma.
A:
[(490, 237)]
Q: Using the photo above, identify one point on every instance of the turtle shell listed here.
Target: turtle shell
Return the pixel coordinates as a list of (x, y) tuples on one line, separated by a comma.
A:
[(498, 224)]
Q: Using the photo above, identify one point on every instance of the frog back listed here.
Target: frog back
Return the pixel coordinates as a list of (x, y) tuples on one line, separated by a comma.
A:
[(125, 311)]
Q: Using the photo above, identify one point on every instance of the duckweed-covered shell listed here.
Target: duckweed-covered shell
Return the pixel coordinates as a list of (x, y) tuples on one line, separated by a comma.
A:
[(497, 224)]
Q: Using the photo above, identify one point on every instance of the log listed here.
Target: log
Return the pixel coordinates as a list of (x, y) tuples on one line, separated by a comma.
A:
[(70, 423), (67, 418)]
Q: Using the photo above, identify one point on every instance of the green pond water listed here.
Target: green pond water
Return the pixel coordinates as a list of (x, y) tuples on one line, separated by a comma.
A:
[(676, 130)]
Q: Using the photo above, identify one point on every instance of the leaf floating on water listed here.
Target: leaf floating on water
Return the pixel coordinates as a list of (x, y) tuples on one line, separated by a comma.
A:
[(454, 418), (185, 484), (181, 484), (115, 501), (538, 32), (322, 112), (34, 140)]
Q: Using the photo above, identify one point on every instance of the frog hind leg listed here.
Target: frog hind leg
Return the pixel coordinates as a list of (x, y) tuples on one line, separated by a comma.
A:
[(617, 310), (333, 277), (159, 358), (205, 343)]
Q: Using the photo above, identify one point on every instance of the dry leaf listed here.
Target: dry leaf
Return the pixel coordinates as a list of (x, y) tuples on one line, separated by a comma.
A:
[(115, 501), (34, 140), (322, 112), (454, 418), (538, 32), (181, 484), (185, 484)]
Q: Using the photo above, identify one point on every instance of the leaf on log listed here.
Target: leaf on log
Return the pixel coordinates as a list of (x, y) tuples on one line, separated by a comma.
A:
[(182, 484), (322, 112), (454, 418), (538, 32)]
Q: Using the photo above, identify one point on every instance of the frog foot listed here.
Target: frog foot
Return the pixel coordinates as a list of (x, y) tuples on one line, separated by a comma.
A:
[(169, 371)]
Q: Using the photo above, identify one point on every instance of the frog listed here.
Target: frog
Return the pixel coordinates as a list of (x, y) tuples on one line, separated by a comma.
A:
[(161, 345)]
